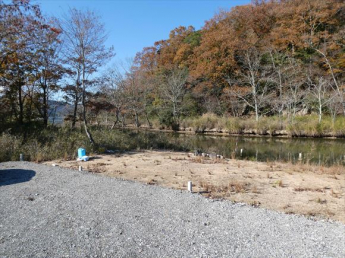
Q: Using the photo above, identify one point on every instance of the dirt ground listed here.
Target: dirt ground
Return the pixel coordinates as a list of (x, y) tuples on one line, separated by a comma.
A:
[(301, 189)]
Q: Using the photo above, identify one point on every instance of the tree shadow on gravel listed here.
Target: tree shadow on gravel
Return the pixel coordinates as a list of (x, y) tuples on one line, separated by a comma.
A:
[(15, 176)]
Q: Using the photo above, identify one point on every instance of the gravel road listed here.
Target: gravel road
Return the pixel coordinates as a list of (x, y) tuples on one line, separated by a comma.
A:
[(54, 212)]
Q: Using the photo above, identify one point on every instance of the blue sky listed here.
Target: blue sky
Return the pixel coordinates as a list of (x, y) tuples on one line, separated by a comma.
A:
[(134, 24)]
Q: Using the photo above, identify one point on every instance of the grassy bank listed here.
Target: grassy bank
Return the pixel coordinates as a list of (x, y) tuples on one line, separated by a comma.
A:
[(301, 126), (62, 143)]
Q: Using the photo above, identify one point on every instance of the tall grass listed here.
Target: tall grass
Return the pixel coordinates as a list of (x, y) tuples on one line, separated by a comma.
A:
[(42, 145), (306, 126), (62, 143)]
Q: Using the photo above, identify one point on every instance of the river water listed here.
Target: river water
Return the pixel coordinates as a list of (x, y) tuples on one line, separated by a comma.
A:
[(313, 151)]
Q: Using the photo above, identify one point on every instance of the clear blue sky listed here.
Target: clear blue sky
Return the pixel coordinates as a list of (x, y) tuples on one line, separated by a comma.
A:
[(135, 24)]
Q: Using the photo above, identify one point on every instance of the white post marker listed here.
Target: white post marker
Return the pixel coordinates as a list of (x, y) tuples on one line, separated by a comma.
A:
[(241, 151), (21, 157), (300, 156), (190, 186), (80, 168)]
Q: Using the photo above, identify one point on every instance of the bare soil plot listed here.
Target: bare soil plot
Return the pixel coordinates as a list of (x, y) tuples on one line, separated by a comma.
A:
[(301, 189)]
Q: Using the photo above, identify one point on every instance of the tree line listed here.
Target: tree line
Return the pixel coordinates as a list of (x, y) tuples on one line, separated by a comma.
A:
[(268, 58)]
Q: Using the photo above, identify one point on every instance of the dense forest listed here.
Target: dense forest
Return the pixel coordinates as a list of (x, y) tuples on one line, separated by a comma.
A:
[(267, 58), (278, 59)]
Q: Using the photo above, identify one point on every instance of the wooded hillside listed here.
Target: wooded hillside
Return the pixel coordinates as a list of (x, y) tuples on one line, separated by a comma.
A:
[(266, 58)]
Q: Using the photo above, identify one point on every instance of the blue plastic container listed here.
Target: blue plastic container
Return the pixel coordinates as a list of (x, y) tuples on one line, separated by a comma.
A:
[(81, 153)]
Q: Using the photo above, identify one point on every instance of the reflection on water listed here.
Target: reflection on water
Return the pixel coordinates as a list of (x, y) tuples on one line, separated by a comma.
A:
[(315, 151)]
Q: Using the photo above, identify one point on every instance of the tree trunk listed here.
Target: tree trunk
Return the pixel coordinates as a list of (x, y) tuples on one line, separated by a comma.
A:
[(45, 107), (148, 120), (256, 111), (74, 118), (175, 116), (88, 133), (137, 124), (117, 119), (254, 92), (21, 104), (123, 120), (320, 113)]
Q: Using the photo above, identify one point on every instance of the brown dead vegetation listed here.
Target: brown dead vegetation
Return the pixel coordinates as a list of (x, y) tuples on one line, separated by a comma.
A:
[(314, 191)]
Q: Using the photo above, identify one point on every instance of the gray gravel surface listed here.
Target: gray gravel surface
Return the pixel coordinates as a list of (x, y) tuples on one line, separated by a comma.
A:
[(53, 212)]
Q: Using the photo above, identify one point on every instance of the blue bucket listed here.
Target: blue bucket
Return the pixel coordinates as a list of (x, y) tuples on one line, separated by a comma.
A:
[(81, 153)]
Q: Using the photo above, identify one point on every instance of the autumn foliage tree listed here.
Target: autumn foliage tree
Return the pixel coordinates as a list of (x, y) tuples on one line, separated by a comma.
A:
[(28, 44), (84, 51)]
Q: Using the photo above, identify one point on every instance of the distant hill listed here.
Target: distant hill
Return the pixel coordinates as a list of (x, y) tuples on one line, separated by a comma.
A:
[(58, 110)]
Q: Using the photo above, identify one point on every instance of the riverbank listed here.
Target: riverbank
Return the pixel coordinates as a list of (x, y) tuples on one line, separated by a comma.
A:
[(225, 132), (314, 191), (301, 126)]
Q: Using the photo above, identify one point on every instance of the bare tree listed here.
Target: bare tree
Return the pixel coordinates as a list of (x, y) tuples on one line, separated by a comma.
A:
[(296, 94), (336, 85), (319, 91), (289, 79), (133, 90), (257, 76), (174, 88), (85, 50), (335, 105), (281, 76), (113, 83), (147, 91)]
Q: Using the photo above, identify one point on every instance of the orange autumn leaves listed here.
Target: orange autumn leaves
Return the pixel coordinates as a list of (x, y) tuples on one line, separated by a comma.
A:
[(289, 26)]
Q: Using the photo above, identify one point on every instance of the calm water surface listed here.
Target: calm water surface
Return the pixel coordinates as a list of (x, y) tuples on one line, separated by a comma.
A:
[(315, 151)]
